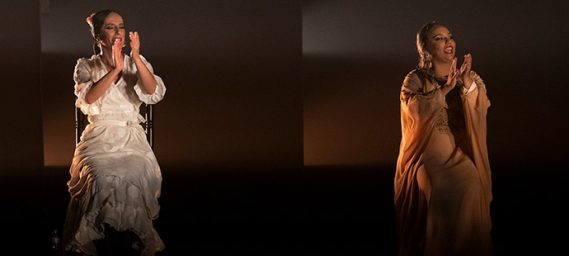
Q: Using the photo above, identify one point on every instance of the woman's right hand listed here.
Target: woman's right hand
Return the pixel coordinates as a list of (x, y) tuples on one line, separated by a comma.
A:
[(451, 79), (118, 57)]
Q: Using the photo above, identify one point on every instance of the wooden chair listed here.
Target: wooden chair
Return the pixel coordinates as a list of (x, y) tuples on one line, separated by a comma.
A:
[(145, 110)]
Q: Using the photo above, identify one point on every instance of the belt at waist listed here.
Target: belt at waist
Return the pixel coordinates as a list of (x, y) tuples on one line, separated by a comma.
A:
[(136, 120), (115, 122)]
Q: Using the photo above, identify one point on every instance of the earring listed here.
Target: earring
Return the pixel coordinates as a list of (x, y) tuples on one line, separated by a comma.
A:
[(427, 60), (100, 42)]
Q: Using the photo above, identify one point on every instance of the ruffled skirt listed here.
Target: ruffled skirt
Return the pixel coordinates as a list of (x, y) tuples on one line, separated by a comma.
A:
[(115, 181)]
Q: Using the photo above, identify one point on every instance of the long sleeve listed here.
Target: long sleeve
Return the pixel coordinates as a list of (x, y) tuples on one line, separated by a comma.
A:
[(418, 109), (476, 104), (82, 76), (158, 94), (469, 90)]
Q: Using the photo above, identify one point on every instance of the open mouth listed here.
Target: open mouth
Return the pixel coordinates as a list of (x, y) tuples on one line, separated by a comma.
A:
[(449, 50)]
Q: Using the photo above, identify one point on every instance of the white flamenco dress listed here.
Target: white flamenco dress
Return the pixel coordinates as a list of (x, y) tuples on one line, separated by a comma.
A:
[(115, 178)]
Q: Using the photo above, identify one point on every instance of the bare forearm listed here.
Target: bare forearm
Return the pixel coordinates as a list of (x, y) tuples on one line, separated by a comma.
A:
[(446, 89), (146, 78), (99, 88), (467, 83)]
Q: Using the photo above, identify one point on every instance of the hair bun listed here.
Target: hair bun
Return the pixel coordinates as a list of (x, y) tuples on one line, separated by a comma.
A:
[(89, 19)]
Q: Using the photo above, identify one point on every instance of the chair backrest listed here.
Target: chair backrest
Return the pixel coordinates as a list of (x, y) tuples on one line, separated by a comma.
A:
[(145, 110)]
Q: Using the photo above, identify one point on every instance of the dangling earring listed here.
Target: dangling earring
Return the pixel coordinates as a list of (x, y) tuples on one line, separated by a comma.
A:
[(100, 42), (427, 58)]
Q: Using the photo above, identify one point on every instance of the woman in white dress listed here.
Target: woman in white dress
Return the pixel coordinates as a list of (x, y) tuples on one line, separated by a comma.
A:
[(115, 179)]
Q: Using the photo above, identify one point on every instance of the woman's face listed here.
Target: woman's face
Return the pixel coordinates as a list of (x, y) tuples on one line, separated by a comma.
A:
[(112, 29), (441, 45)]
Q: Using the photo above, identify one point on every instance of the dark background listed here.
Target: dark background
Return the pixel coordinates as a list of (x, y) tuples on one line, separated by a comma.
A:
[(356, 54), (280, 127), (231, 69)]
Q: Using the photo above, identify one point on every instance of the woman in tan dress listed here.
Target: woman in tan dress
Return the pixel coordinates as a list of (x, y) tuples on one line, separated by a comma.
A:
[(443, 185)]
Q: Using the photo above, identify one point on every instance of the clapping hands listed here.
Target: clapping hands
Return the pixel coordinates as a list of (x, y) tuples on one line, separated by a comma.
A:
[(118, 58), (134, 44), (454, 73)]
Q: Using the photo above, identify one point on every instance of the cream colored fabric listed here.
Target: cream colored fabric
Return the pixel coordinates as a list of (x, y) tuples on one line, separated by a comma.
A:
[(115, 178), (443, 179)]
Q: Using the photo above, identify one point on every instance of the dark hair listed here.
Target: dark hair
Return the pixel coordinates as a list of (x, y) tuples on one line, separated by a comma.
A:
[(96, 22), (422, 39)]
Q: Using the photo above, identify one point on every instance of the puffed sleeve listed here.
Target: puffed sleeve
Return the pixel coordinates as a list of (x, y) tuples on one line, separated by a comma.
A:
[(83, 82), (158, 93)]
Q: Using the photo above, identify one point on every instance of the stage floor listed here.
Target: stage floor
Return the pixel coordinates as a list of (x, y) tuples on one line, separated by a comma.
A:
[(310, 210)]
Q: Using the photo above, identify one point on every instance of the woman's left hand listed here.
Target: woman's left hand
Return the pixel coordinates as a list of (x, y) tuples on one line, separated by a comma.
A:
[(465, 71), (134, 44)]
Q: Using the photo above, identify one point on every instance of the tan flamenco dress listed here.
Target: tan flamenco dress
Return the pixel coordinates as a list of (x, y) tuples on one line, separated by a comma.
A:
[(443, 179)]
